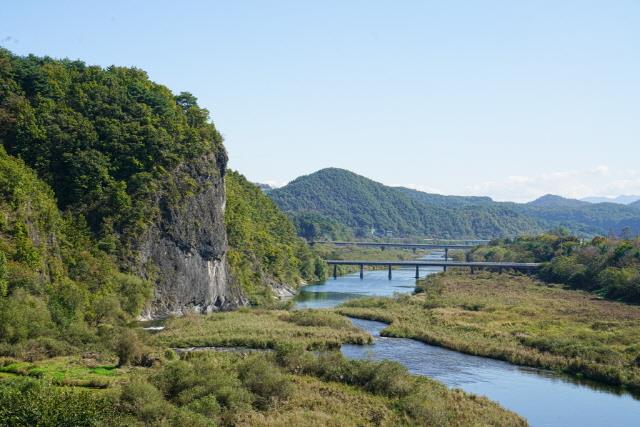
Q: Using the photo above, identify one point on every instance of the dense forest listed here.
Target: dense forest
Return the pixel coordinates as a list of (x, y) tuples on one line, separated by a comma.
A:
[(607, 266), (265, 254), (368, 208), (107, 141)]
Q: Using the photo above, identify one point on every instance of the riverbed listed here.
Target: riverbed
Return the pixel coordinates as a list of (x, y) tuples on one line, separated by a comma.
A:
[(544, 398)]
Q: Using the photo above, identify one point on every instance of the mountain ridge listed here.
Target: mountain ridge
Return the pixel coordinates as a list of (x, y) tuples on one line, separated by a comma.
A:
[(370, 208)]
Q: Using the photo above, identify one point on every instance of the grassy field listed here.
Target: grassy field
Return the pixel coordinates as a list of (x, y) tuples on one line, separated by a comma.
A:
[(258, 328), (517, 319), (287, 386)]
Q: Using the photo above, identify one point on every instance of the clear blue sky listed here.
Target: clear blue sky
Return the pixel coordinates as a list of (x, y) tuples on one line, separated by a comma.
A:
[(503, 98)]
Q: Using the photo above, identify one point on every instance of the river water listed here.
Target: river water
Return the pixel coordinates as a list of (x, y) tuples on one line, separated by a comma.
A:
[(544, 398)]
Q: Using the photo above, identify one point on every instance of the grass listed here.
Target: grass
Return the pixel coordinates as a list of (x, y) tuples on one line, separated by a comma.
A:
[(517, 319), (290, 386), (262, 329), (65, 371)]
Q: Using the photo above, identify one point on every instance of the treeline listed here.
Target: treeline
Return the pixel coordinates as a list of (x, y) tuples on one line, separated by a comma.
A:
[(265, 253), (609, 267)]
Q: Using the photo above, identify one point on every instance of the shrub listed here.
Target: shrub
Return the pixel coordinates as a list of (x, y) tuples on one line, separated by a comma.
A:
[(264, 380), (144, 401), (23, 316), (130, 349)]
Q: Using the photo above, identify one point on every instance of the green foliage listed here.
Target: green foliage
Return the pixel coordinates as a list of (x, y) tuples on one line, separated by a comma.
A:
[(36, 403), (3, 274), (264, 250), (315, 226), (607, 266), (331, 196), (323, 202), (264, 380), (23, 316), (105, 140), (55, 282)]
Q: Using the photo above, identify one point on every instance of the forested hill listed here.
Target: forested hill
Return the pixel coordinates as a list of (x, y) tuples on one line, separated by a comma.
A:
[(104, 172), (362, 205), (341, 197)]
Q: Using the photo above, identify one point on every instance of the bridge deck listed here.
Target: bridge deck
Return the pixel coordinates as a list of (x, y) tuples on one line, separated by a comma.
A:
[(402, 245), (435, 263)]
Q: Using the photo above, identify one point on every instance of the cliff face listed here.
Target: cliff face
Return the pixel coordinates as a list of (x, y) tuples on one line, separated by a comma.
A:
[(185, 250)]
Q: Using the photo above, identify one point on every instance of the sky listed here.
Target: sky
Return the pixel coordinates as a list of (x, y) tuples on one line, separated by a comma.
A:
[(507, 99)]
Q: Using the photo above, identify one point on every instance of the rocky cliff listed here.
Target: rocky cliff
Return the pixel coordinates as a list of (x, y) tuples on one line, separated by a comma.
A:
[(185, 250)]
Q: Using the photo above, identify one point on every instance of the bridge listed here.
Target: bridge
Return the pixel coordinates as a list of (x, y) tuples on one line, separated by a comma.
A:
[(465, 245), (473, 265)]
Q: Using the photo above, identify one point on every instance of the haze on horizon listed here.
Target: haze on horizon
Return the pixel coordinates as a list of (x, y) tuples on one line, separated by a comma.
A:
[(503, 99)]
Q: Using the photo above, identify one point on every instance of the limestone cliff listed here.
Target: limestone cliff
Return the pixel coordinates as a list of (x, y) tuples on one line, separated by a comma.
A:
[(185, 250)]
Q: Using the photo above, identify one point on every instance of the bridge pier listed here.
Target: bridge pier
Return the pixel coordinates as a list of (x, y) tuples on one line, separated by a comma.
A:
[(389, 271), (446, 255), (335, 271), (414, 250), (473, 270), (361, 271), (417, 271)]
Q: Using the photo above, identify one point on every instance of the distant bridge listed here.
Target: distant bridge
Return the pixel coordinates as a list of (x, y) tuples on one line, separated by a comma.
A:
[(456, 244), (496, 266)]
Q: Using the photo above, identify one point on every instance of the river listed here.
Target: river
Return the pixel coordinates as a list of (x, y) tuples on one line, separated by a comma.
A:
[(544, 398)]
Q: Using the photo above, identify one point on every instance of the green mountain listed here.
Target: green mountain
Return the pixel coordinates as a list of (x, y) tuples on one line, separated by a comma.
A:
[(553, 201), (365, 206)]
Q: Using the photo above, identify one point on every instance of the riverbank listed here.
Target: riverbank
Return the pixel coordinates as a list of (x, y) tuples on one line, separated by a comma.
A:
[(519, 320), (288, 385)]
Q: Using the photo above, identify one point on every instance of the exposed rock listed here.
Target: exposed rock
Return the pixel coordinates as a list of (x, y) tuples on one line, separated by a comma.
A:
[(184, 250)]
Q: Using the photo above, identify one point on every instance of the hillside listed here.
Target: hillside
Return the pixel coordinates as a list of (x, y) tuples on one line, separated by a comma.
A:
[(265, 254), (141, 167), (635, 204), (553, 201), (56, 285), (363, 205)]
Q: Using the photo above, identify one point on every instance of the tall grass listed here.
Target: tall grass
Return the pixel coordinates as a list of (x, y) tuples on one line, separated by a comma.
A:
[(517, 319)]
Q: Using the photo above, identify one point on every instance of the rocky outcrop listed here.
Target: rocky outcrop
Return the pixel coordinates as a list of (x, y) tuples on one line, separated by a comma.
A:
[(184, 251)]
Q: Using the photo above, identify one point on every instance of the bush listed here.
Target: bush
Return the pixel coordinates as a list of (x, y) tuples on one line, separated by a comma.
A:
[(144, 401), (130, 349), (264, 380), (23, 316)]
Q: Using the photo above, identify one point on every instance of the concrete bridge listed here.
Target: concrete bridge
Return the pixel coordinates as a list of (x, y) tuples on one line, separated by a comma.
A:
[(455, 244), (496, 266)]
